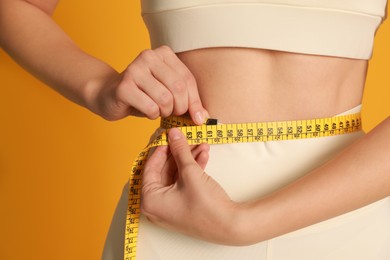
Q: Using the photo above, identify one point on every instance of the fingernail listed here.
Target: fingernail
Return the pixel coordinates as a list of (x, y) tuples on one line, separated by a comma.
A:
[(199, 118), (174, 134)]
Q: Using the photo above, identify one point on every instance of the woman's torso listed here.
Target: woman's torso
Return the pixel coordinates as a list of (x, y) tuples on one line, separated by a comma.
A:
[(254, 85), (261, 60)]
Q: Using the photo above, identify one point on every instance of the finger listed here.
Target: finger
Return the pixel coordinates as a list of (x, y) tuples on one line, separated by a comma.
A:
[(168, 76), (179, 148), (202, 155), (176, 86), (197, 153), (158, 93), (202, 159), (151, 178), (168, 176), (169, 172), (195, 107), (197, 111), (198, 149), (137, 101)]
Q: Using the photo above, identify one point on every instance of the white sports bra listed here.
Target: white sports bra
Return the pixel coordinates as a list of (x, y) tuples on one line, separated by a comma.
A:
[(342, 28)]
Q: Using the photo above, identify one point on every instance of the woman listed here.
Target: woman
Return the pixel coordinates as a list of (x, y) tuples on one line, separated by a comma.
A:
[(309, 61)]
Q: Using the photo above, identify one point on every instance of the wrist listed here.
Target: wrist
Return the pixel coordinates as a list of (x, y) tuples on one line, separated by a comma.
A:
[(240, 225), (243, 226), (96, 92), (253, 222)]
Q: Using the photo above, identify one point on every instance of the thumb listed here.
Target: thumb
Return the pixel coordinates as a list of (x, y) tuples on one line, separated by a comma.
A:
[(180, 149)]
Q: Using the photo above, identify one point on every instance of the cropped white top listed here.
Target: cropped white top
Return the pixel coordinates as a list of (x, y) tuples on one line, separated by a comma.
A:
[(343, 28)]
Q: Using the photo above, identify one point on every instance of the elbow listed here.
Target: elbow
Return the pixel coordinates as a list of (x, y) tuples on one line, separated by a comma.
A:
[(47, 6)]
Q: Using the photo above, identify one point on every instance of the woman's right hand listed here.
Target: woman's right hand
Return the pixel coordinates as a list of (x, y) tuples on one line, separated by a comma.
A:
[(155, 84)]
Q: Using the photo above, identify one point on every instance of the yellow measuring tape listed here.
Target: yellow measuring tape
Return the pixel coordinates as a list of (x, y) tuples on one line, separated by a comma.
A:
[(213, 133)]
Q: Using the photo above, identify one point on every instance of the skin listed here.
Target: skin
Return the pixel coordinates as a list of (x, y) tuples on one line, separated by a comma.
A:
[(277, 85), (324, 193), (155, 84)]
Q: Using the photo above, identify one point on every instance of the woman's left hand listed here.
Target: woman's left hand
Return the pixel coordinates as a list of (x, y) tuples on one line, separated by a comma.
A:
[(178, 195)]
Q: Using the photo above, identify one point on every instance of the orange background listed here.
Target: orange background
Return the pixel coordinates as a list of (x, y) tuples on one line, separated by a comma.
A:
[(62, 168)]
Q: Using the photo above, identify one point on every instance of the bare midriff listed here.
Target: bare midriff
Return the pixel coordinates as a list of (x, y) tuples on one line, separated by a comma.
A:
[(256, 85)]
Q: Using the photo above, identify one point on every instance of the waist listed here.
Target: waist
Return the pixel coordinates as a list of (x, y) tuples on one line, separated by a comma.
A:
[(253, 85)]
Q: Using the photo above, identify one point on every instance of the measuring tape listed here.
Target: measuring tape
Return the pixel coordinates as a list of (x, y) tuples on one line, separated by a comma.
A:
[(213, 133)]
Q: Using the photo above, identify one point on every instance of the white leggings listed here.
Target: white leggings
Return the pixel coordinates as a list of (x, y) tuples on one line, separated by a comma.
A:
[(252, 170)]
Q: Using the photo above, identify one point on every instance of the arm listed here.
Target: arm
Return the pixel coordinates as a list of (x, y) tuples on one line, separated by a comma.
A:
[(36, 42), (155, 84), (358, 176)]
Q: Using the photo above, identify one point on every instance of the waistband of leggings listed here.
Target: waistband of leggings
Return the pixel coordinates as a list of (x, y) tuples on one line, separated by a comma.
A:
[(354, 110)]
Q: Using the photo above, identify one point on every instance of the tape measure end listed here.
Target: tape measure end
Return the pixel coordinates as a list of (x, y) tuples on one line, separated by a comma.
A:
[(211, 121)]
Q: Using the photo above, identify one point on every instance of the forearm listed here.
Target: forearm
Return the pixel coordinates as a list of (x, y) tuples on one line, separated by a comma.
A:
[(358, 176), (37, 43)]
